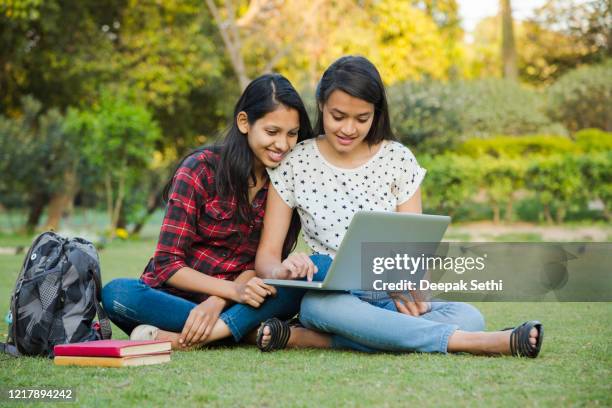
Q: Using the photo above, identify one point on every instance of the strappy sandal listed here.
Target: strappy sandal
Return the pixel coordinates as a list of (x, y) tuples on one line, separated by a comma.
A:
[(519, 339), (279, 335)]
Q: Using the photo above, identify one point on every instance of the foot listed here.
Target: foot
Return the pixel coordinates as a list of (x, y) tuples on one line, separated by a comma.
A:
[(300, 337), (148, 332), (499, 342), (486, 343)]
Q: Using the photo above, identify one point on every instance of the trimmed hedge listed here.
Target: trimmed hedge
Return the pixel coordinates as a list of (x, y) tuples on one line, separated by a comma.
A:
[(562, 175)]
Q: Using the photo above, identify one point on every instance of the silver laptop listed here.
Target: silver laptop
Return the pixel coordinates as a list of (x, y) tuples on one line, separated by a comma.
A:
[(371, 226)]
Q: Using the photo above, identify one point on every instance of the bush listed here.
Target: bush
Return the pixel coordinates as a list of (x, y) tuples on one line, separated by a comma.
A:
[(424, 114), (501, 179), (436, 116), (594, 140), (596, 170), (451, 181), (582, 98), (496, 106), (517, 146), (558, 183)]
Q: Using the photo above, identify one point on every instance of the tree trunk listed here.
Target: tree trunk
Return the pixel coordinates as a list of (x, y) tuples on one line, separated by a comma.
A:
[(547, 215), (509, 211), (231, 39), (109, 198), (509, 59), (496, 212), (37, 206), (119, 199), (61, 201), (122, 220), (560, 215), (154, 201)]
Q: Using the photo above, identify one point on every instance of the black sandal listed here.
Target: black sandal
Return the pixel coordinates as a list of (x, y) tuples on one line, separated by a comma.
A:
[(519, 339), (279, 333)]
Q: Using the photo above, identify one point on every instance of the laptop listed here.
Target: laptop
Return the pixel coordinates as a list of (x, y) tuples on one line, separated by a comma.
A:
[(369, 227)]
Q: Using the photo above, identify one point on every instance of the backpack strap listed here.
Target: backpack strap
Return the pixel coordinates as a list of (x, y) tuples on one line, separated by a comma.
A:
[(9, 349), (105, 325)]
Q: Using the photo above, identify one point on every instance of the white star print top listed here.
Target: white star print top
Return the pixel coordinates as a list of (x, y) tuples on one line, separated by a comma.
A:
[(326, 196)]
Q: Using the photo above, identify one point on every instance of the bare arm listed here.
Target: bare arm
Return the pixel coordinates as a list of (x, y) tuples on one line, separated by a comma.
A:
[(413, 204), (269, 262), (275, 227), (190, 280)]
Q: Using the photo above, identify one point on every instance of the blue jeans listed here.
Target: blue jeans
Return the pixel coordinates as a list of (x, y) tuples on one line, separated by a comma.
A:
[(130, 302), (369, 321)]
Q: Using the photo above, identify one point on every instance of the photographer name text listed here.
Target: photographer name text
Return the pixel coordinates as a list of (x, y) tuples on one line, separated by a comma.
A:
[(473, 285)]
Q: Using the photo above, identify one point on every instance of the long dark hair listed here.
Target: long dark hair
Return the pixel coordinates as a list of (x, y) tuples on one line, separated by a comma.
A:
[(235, 171), (358, 77)]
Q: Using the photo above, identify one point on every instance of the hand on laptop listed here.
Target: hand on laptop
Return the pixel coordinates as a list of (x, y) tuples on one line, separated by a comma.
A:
[(295, 266), (410, 303)]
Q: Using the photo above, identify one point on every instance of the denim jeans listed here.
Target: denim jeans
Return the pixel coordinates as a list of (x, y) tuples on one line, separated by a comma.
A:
[(369, 321), (130, 302)]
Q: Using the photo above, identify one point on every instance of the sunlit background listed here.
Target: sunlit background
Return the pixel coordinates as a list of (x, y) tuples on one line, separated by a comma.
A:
[(506, 103)]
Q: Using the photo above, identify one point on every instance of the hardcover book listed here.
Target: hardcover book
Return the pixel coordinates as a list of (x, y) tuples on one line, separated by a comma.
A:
[(112, 348)]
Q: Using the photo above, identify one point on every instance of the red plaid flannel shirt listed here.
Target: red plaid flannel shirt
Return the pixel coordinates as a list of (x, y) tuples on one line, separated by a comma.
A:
[(201, 230)]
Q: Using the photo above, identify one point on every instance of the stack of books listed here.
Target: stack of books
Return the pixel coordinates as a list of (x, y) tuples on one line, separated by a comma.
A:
[(113, 353)]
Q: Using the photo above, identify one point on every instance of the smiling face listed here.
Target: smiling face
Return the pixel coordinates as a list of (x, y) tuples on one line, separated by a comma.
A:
[(346, 121), (272, 135)]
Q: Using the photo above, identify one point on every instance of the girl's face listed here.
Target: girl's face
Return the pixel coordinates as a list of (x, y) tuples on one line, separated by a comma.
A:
[(272, 135), (346, 121)]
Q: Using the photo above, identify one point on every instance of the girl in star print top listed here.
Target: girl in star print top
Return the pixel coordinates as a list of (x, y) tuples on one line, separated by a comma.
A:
[(200, 285), (355, 164)]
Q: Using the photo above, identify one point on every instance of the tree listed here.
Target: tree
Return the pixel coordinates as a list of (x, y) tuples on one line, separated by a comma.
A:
[(508, 45), (301, 38), (561, 36), (167, 53), (40, 57), (120, 136), (163, 51), (37, 153), (581, 98)]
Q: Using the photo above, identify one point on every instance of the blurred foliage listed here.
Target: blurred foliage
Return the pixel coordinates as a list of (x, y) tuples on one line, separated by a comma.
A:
[(582, 98), (558, 183), (36, 152), (501, 180), (425, 114), (117, 90), (597, 178), (451, 181), (593, 140), (165, 51), (119, 137), (562, 35), (436, 116), (562, 176), (404, 39), (517, 146)]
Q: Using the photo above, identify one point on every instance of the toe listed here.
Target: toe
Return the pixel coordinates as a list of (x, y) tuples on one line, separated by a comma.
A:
[(533, 336), (265, 339)]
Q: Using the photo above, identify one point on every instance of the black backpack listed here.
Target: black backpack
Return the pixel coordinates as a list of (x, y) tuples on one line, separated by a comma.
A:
[(56, 297)]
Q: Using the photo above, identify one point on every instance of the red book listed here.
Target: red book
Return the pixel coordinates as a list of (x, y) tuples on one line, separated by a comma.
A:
[(112, 348)]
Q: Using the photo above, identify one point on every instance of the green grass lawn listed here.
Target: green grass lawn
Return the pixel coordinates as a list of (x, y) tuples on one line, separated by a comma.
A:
[(574, 367)]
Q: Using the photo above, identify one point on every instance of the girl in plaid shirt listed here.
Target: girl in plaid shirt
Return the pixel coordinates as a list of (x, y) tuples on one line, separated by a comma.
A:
[(200, 285)]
